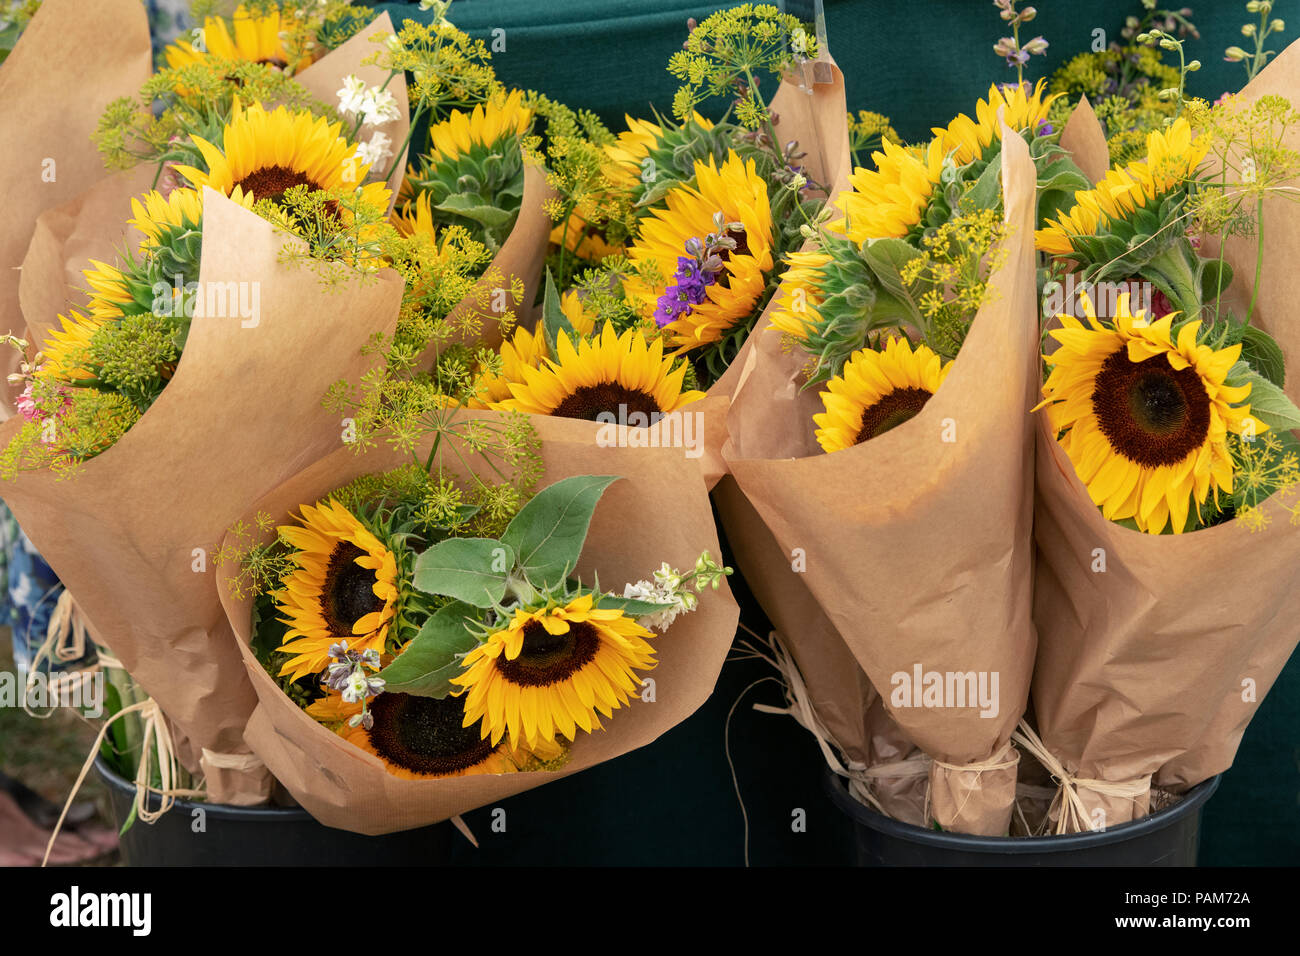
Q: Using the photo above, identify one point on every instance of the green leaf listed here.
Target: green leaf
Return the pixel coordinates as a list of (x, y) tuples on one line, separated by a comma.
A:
[(473, 570), (987, 189), (886, 259), (548, 533), (1268, 403), (490, 217), (554, 321), (1263, 354), (433, 656)]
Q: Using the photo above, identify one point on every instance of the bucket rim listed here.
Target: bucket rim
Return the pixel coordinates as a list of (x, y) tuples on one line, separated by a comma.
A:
[(220, 811), (864, 816)]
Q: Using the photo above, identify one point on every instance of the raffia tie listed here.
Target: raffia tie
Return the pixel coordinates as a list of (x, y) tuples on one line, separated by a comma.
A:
[(1004, 758), (860, 777), (1074, 816), (65, 640)]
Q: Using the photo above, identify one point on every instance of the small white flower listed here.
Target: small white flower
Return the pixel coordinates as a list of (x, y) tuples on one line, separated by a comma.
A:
[(357, 687), (375, 152), (352, 98), (380, 107)]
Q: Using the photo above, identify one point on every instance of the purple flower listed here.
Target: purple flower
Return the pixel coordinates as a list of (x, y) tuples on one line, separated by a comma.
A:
[(687, 290)]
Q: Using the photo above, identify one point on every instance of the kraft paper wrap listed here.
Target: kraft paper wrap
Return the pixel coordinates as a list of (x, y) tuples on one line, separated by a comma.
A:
[(917, 549), (53, 87), (840, 694), (342, 786), (815, 118), (1156, 665), (242, 412), (93, 224), (1084, 140)]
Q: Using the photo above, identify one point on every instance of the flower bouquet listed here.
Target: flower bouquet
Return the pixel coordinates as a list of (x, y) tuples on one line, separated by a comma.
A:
[(426, 635), (53, 159), (918, 283), (1166, 460), (669, 236)]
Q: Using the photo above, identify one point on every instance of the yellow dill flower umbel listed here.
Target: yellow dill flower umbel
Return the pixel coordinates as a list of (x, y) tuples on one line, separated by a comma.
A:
[(344, 588), (618, 375), (553, 671), (737, 192), (255, 38), (266, 153), (877, 391), (1173, 156), (1144, 417)]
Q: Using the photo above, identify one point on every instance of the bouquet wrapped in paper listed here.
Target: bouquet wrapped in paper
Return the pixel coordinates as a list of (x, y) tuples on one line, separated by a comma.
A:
[(1166, 464), (901, 495), (425, 634)]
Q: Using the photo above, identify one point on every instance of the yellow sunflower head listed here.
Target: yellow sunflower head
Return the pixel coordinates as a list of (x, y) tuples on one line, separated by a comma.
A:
[(551, 672), (160, 217), (618, 375), (266, 153), (64, 352), (254, 37), (420, 738), (889, 201), (799, 293), (734, 194), (344, 587), (1173, 156), (641, 138), (969, 139), (1143, 416), (488, 124), (877, 391)]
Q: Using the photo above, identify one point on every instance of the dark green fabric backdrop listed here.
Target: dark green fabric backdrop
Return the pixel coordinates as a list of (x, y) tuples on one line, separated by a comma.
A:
[(920, 63)]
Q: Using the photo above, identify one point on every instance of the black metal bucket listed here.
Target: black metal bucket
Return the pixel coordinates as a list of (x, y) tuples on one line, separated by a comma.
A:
[(261, 836), (1168, 837)]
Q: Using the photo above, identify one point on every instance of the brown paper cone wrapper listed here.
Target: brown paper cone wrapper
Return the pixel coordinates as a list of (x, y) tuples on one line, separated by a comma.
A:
[(1084, 140), (1156, 665), (53, 88), (343, 786), (918, 549), (815, 118), (840, 694), (133, 533)]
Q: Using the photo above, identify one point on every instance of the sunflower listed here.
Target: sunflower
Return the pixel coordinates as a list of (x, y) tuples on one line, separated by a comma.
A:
[(739, 194), (550, 671), (266, 154), (641, 139), (1144, 417), (1173, 156), (161, 217), (800, 293), (489, 124), (256, 38), (65, 350), (344, 588), (877, 391), (969, 139), (415, 218), (527, 350), (611, 373), (890, 200)]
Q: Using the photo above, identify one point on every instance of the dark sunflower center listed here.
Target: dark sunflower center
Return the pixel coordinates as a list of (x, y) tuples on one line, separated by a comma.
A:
[(548, 658), (274, 61), (890, 411), (1150, 412), (424, 734), (349, 592), (271, 182), (588, 401)]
